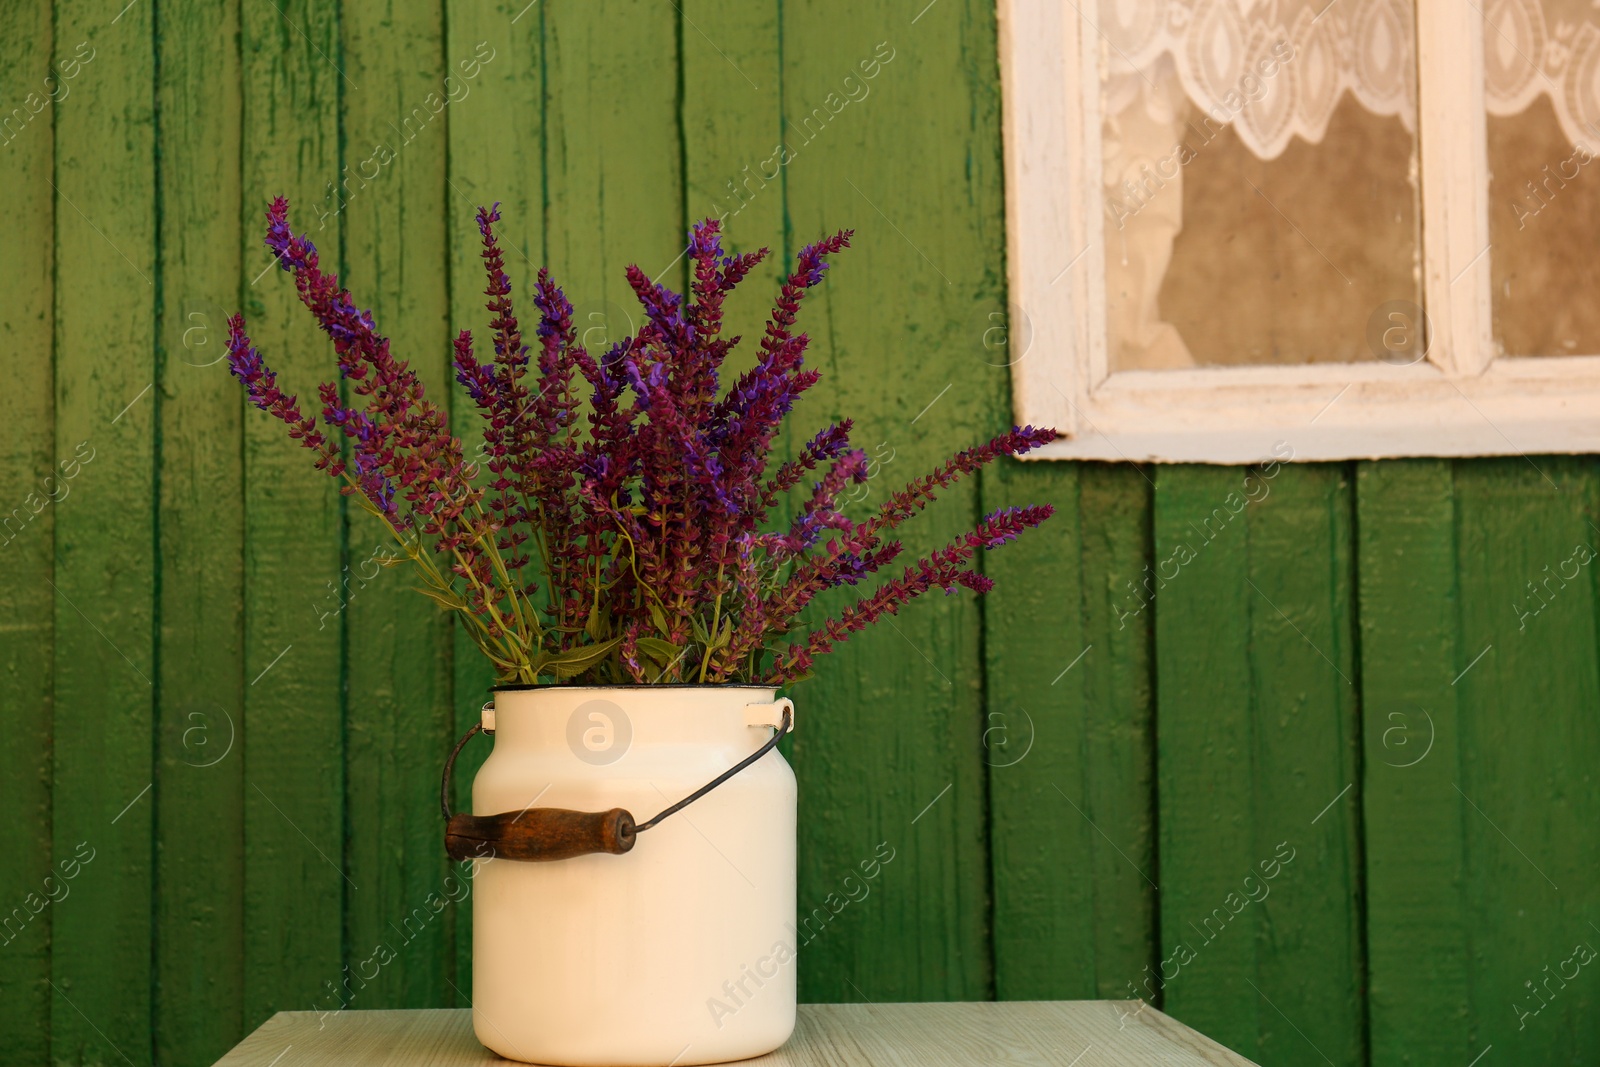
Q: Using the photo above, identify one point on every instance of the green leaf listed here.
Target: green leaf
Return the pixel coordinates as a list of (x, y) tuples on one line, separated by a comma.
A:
[(449, 601), (595, 626), (574, 661), (662, 651), (658, 617)]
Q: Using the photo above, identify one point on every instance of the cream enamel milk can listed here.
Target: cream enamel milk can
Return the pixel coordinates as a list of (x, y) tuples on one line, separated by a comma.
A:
[(634, 874)]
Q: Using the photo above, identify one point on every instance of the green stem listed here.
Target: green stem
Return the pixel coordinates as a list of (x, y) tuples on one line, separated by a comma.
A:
[(716, 621)]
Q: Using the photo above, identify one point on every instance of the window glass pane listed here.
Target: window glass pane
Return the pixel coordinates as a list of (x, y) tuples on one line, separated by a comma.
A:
[(1260, 166), (1542, 91)]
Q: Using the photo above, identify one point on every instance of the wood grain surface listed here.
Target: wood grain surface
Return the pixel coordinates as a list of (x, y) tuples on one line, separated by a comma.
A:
[(1015, 1033), (1416, 908), (200, 668), (1259, 855), (28, 455), (106, 573)]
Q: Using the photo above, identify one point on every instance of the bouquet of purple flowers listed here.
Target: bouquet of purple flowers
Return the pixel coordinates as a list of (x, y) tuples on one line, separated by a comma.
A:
[(625, 535)]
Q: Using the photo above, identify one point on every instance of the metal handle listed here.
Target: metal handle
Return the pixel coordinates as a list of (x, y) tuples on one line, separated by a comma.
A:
[(542, 834)]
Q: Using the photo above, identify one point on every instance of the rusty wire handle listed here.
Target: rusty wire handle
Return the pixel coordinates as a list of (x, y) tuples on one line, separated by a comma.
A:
[(450, 766), (543, 834)]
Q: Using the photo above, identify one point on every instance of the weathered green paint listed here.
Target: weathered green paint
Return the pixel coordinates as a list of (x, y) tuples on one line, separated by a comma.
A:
[(1207, 812), (1529, 748), (1417, 946), (733, 118), (1309, 961), (613, 164), (199, 799), (105, 541), (1257, 737), (291, 735), (1068, 731), (400, 715), (1035, 747), (1040, 762), (27, 610), (897, 759), (1119, 729)]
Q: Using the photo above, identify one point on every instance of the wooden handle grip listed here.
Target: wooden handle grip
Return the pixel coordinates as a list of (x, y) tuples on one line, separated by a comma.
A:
[(538, 834)]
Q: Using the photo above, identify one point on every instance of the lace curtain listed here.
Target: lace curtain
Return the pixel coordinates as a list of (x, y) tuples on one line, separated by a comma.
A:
[(1218, 47), (1177, 71), (1545, 47), (1274, 68)]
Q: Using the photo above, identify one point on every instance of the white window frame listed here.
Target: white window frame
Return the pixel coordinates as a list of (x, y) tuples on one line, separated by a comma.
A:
[(1463, 400)]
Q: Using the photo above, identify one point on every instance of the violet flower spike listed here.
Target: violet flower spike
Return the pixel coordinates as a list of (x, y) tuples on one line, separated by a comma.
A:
[(635, 483)]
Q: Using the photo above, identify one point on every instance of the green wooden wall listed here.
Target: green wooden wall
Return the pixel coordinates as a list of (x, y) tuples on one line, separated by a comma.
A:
[(1318, 776)]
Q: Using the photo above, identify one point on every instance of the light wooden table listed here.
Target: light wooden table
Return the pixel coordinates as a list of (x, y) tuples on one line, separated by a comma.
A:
[(1067, 1033)]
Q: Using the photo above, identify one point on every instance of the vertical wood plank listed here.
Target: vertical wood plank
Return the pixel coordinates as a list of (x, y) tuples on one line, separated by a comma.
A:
[(733, 124), (1416, 922), (1067, 640), (1119, 721), (1309, 965), (1040, 825), (1260, 858), (495, 155), (293, 718), (400, 713), (1206, 744), (892, 754), (615, 193), (1531, 738), (199, 913), (105, 577), (36, 487)]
